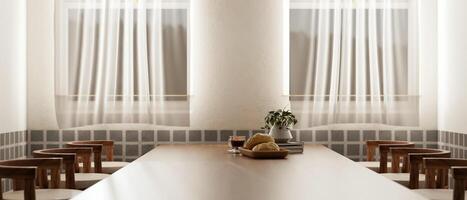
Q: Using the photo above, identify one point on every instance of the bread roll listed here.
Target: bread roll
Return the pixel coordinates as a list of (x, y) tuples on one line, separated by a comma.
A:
[(270, 146), (258, 138)]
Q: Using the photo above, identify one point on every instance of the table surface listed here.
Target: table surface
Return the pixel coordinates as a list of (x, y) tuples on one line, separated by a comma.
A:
[(205, 172)]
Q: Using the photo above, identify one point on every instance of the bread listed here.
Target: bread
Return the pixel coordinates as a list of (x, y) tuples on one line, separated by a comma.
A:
[(270, 146), (258, 138)]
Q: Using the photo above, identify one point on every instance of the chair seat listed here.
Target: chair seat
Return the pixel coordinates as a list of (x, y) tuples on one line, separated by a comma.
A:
[(436, 194), (43, 194), (404, 178), (109, 167), (373, 165), (84, 180)]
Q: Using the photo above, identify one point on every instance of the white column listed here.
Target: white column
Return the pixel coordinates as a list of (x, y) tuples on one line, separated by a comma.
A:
[(13, 72), (40, 61), (452, 49), (237, 52)]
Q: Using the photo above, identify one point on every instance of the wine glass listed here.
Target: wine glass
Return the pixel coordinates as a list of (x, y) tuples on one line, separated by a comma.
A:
[(235, 142)]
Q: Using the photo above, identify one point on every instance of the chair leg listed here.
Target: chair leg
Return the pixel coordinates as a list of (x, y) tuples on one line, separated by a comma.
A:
[(459, 189), (29, 189)]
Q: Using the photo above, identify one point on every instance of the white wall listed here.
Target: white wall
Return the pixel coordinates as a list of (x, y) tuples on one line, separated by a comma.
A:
[(452, 99), (229, 78), (12, 65)]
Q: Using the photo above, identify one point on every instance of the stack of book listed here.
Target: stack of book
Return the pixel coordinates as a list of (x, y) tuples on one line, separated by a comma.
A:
[(293, 147)]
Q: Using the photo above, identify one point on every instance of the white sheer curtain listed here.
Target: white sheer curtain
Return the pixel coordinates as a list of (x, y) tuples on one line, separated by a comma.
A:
[(354, 61), (121, 61)]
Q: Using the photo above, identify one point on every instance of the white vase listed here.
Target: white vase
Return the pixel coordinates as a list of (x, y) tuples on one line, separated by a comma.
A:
[(280, 134)]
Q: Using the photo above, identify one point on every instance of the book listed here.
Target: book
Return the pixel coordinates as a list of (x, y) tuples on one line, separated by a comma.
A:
[(293, 147), (291, 144), (295, 151)]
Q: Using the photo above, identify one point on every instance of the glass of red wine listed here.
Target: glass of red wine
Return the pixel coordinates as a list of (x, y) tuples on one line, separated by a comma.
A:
[(235, 142)]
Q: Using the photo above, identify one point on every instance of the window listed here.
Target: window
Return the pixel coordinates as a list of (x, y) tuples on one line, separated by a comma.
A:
[(174, 57), (122, 62), (353, 61), (174, 19)]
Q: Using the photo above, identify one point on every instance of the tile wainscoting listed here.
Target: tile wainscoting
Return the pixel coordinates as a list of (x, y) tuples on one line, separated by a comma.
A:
[(12, 146), (130, 144), (454, 142)]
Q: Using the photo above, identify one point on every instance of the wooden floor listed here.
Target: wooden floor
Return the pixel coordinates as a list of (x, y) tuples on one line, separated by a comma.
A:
[(208, 172)]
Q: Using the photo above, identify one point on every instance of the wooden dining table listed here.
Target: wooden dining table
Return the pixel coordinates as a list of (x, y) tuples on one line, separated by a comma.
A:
[(209, 172)]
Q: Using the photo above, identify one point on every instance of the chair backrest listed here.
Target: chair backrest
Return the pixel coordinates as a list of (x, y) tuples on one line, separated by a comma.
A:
[(26, 174), (383, 146), (437, 170), (44, 167), (372, 145), (460, 176), (96, 149), (70, 160), (414, 161), (107, 146)]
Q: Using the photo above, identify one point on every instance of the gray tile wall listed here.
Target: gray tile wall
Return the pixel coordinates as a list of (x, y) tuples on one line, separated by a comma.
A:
[(454, 142), (130, 144), (12, 146)]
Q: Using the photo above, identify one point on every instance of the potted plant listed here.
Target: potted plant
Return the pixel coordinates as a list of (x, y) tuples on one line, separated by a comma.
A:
[(278, 123)]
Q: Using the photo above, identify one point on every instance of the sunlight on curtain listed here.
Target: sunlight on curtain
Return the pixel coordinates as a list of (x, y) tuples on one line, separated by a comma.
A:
[(354, 61), (121, 61)]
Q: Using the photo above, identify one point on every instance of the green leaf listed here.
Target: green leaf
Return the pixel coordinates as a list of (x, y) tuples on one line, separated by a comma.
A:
[(280, 117)]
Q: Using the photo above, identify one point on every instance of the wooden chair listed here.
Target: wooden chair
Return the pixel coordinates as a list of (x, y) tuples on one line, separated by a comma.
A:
[(71, 179), (412, 161), (29, 173), (437, 178), (381, 166), (107, 146)]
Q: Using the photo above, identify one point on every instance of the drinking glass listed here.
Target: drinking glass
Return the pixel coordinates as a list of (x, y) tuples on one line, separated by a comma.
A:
[(235, 142)]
